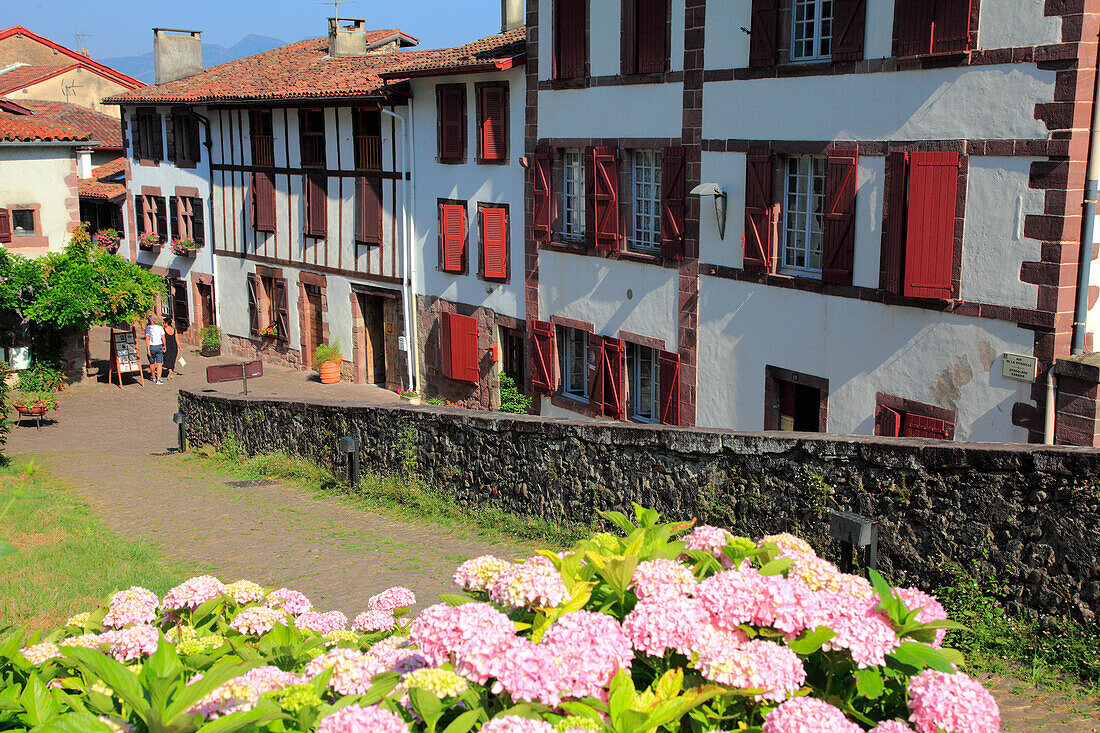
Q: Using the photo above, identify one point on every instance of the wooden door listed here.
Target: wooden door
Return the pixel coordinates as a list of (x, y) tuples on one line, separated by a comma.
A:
[(206, 305), (316, 320), (374, 335)]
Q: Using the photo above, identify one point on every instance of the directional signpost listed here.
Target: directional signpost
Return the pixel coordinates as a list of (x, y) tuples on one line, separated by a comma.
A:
[(233, 372)]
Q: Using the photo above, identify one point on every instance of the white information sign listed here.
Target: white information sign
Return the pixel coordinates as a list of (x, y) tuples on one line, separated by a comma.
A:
[(1019, 367)]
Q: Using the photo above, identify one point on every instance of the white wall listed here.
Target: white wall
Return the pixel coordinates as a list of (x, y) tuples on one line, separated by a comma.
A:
[(635, 110), (35, 174), (1009, 23)]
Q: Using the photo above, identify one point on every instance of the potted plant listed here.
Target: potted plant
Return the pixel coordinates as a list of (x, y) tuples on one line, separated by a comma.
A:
[(270, 331), (36, 404), (408, 395), (326, 360), (184, 247), (108, 239), (211, 339), (149, 241)]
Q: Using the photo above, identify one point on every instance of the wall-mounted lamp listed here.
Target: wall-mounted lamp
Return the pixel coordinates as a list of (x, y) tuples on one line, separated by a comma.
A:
[(713, 189)]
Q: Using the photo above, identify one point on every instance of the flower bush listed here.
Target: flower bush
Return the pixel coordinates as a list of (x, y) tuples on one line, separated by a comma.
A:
[(270, 331), (41, 400), (108, 239), (665, 628), (148, 240), (184, 247)]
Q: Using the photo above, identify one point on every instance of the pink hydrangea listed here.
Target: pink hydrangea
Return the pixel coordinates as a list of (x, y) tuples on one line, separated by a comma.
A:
[(241, 693), (134, 605), (480, 574), (515, 724), (588, 648), (289, 600), (867, 634), (359, 719), (822, 575), (352, 670), (322, 623), (132, 642), (789, 545), (193, 592), (808, 715), (735, 597), (395, 656), (257, 620), (708, 539), (370, 621), (951, 703), (757, 664), (535, 582), (40, 653), (392, 599), (527, 672), (892, 726), (473, 633), (929, 609), (662, 577), (245, 591), (666, 622)]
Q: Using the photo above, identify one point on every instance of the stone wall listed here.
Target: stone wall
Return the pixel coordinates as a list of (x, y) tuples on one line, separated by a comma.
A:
[(1027, 515)]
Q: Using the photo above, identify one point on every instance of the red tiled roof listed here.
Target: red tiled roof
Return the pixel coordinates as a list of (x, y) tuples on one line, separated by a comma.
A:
[(17, 127), (22, 76), (296, 71), (111, 169), (104, 129), (501, 51), (123, 79), (97, 187)]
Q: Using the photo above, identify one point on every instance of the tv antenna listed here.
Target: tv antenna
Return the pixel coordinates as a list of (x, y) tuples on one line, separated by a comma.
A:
[(80, 36), (336, 6), (66, 88)]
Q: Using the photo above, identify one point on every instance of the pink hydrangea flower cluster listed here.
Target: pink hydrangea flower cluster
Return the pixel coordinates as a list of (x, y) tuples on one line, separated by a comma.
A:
[(527, 672), (588, 649), (666, 623), (257, 620), (289, 600), (134, 605), (757, 664), (352, 670), (662, 577), (708, 539), (534, 582), (359, 719), (322, 623), (371, 621), (951, 703), (867, 634), (194, 592), (822, 575), (392, 599), (132, 642), (245, 591), (241, 693), (38, 654), (516, 724), (808, 715), (892, 726), (789, 545), (473, 633), (929, 609), (480, 574), (395, 655), (735, 597)]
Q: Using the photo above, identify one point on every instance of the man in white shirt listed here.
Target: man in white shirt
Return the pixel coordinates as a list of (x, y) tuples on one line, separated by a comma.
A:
[(154, 347)]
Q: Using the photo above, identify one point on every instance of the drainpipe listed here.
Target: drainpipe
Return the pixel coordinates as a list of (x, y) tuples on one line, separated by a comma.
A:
[(1048, 418), (210, 187), (1088, 224), (406, 288)]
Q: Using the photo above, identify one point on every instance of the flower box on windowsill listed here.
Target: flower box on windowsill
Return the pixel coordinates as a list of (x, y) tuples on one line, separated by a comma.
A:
[(149, 247)]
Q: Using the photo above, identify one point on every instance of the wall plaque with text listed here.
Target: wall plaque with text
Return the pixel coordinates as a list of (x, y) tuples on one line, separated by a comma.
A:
[(1019, 367)]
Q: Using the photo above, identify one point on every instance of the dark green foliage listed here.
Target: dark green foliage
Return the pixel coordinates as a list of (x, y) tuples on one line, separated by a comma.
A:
[(41, 377), (510, 398)]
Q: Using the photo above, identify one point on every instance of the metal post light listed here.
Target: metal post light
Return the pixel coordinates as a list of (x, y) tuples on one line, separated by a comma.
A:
[(349, 446), (713, 189), (179, 420), (854, 530)]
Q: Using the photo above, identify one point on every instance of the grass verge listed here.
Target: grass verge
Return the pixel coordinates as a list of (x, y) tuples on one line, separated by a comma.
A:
[(66, 561)]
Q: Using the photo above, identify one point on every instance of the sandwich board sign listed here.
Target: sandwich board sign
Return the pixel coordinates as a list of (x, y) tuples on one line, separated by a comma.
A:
[(124, 356)]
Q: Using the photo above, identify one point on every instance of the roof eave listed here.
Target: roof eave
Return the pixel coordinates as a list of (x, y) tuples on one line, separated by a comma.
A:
[(494, 66)]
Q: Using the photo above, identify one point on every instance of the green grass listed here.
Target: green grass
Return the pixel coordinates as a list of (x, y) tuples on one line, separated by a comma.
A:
[(403, 498), (66, 561)]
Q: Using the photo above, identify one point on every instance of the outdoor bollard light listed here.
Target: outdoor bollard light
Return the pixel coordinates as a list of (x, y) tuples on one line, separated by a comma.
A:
[(854, 530), (349, 446), (179, 420)]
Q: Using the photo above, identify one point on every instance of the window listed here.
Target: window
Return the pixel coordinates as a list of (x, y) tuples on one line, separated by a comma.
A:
[(316, 185), (268, 305), (492, 122), (183, 138), (453, 233), (644, 36), (493, 226), (573, 190), (931, 26), (368, 210), (812, 30), (148, 135), (644, 382), (154, 216), (804, 215), (179, 313), (460, 357), (263, 201), (261, 136), (794, 401), (570, 42), (311, 134), (5, 226), (450, 103), (897, 417), (187, 215), (22, 221), (646, 180), (512, 356), (367, 129), (574, 362)]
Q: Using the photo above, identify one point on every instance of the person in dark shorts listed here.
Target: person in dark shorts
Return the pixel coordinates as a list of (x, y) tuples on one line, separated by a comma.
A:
[(171, 349), (154, 347)]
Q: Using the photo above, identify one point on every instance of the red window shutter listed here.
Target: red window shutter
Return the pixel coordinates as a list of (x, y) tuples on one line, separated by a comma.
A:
[(919, 426), (893, 241), (668, 364), (628, 47), (849, 29), (913, 27), (602, 193), (888, 422), (542, 358), (458, 345), (253, 305), (613, 356), (492, 140), (651, 17), (930, 227), (452, 219), (494, 243), (951, 26), (542, 214), (316, 205), (161, 217), (263, 201), (368, 210), (758, 212), (282, 310), (840, 217), (5, 226), (673, 203), (570, 48), (763, 46), (451, 106), (596, 376)]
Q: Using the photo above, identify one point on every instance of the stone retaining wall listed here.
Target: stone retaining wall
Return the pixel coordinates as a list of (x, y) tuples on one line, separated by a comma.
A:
[(1029, 516)]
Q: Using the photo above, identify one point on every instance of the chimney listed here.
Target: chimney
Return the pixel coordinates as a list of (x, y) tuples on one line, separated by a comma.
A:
[(176, 56), (511, 15), (347, 40), (83, 163)]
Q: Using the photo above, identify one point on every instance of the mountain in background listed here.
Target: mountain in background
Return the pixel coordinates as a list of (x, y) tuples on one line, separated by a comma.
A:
[(141, 67)]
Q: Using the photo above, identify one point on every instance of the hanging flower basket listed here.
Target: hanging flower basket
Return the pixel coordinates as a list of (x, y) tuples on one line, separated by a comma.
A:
[(149, 241), (184, 247), (108, 239)]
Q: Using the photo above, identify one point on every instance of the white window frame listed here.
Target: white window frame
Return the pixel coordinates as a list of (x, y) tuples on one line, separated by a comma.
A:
[(573, 194), (645, 181), (640, 358), (803, 215), (816, 29), (574, 354)]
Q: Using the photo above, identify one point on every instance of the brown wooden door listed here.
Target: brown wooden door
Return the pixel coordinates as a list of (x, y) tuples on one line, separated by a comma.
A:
[(316, 320), (374, 336), (206, 305)]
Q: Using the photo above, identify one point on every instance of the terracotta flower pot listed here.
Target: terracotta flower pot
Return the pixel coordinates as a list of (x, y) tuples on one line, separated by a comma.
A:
[(330, 372)]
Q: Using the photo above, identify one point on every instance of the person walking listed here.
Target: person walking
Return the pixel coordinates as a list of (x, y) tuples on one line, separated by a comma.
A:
[(171, 348), (154, 347)]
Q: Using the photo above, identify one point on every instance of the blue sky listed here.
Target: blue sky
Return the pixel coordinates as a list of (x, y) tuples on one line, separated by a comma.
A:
[(124, 27)]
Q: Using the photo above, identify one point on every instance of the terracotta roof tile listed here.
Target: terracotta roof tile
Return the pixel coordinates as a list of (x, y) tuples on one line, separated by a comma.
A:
[(22, 76), (32, 128), (99, 185), (104, 129), (109, 170), (501, 51)]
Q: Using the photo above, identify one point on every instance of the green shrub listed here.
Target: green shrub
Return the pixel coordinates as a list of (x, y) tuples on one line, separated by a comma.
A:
[(327, 352), (41, 377), (511, 400), (211, 337)]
